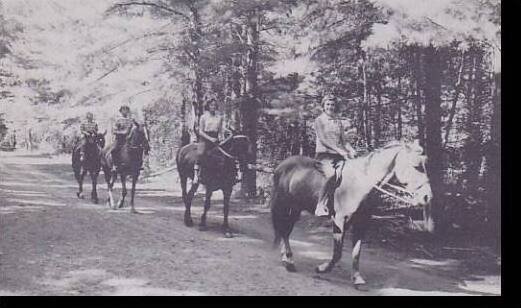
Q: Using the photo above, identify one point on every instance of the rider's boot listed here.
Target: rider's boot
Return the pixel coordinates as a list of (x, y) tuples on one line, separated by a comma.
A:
[(238, 177), (326, 195), (114, 162)]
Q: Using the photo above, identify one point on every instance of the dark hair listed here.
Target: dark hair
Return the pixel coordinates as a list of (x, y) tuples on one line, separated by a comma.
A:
[(124, 107), (209, 102)]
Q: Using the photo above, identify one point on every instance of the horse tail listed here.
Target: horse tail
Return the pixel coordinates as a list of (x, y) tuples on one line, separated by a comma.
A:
[(280, 213)]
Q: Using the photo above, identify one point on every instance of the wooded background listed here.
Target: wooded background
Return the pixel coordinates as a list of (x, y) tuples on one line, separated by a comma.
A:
[(401, 69)]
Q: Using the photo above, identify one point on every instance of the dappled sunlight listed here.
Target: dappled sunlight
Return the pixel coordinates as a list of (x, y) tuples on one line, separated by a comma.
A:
[(16, 183), (240, 239), (36, 202), (10, 293), (75, 279), (12, 209), (315, 254), (23, 192), (237, 216), (443, 263), (300, 243), (483, 284), (407, 292), (138, 287)]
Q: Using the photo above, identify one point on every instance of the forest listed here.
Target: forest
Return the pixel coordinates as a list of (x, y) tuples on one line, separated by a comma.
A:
[(401, 70)]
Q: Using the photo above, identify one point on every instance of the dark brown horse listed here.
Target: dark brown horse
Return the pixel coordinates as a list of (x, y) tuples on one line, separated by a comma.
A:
[(130, 162), (296, 185), (218, 171), (91, 162)]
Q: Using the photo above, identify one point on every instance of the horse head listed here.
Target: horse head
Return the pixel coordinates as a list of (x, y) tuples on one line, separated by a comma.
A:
[(97, 139), (410, 171), (241, 147), (138, 137)]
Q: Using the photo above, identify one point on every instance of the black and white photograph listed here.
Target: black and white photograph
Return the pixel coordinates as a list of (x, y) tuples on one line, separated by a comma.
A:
[(250, 148)]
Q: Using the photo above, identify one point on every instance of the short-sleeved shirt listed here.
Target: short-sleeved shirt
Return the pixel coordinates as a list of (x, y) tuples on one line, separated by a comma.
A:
[(123, 125), (209, 123), (89, 127), (333, 132)]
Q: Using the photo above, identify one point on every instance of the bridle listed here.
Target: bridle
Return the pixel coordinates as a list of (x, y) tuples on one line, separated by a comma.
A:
[(409, 199), (224, 142)]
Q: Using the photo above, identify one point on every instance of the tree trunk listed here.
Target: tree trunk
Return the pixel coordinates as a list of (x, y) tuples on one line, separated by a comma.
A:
[(377, 120), (251, 103), (195, 38), (432, 90), (458, 88), (399, 111), (418, 97), (473, 153), (493, 158)]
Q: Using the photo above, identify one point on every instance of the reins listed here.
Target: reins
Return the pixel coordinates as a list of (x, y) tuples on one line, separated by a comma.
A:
[(385, 181)]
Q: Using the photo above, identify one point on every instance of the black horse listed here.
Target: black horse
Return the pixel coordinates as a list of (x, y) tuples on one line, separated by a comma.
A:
[(218, 171), (129, 164), (94, 142)]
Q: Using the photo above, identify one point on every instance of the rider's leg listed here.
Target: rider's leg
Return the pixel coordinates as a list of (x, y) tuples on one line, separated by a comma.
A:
[(201, 149), (326, 192), (81, 145)]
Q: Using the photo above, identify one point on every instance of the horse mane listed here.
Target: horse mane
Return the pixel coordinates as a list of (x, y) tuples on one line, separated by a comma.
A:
[(389, 145)]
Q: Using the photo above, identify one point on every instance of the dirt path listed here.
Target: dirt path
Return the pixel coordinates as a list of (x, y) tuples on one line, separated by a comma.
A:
[(52, 243)]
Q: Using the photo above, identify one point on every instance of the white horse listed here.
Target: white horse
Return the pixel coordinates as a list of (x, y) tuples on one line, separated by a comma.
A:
[(297, 182)]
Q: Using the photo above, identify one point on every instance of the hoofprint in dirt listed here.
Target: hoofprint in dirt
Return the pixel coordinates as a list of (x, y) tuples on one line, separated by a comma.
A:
[(55, 244)]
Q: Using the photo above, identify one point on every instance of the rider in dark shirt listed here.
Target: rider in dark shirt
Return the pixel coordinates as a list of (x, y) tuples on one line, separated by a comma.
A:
[(87, 127), (121, 130)]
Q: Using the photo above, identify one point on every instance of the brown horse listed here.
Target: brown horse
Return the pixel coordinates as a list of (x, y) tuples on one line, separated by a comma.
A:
[(218, 172), (296, 185), (130, 162), (91, 163)]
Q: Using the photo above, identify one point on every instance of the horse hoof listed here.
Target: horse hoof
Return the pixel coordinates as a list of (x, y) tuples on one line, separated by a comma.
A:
[(228, 234), (361, 287), (290, 267), (80, 196), (358, 280), (134, 212), (189, 223), (323, 268)]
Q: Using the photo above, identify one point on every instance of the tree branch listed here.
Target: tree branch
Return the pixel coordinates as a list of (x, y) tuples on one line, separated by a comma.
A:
[(159, 6)]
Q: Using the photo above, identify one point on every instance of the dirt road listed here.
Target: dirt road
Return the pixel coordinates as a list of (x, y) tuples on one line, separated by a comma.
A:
[(52, 243)]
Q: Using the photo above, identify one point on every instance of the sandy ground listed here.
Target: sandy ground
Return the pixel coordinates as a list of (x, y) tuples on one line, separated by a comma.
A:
[(52, 243)]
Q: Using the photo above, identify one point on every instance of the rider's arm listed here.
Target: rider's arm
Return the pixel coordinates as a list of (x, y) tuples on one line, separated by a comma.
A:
[(319, 127), (347, 147)]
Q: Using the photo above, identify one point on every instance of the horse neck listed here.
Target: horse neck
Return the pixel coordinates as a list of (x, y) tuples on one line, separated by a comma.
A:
[(376, 166)]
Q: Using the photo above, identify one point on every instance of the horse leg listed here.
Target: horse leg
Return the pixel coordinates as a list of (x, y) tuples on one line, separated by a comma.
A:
[(287, 255), (94, 193), (123, 190), (339, 227), (80, 182), (188, 203), (110, 184), (208, 197), (360, 222), (226, 209), (132, 193)]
